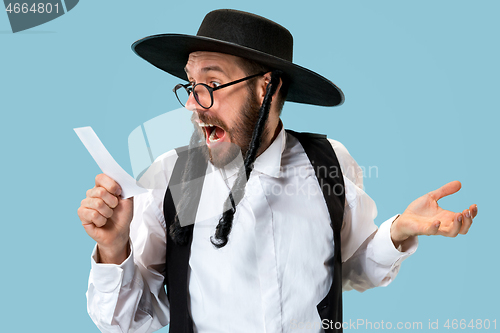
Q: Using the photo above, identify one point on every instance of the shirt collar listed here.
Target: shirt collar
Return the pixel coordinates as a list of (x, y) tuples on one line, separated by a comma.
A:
[(269, 162)]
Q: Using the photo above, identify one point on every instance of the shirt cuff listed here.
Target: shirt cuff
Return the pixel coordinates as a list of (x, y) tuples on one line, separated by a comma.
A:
[(384, 250), (107, 277)]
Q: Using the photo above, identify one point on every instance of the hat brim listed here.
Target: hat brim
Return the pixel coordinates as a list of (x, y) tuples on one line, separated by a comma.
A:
[(170, 52)]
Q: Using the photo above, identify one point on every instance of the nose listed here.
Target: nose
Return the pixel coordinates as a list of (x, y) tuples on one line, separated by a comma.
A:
[(191, 103)]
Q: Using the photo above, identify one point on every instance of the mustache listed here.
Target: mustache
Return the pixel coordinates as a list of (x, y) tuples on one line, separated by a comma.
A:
[(208, 120)]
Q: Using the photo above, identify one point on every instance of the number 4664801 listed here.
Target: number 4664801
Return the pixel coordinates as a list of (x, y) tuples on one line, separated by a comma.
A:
[(36, 8), (473, 324)]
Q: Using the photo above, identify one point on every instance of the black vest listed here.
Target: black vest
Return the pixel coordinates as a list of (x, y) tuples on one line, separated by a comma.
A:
[(323, 159)]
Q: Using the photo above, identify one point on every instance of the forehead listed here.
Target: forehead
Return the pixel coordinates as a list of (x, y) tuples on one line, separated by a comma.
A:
[(202, 62)]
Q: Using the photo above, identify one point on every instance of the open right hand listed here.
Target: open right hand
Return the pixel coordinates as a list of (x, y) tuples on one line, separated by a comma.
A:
[(106, 218)]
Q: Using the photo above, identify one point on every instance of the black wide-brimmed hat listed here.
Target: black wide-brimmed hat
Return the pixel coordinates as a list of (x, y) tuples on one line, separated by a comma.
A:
[(244, 35)]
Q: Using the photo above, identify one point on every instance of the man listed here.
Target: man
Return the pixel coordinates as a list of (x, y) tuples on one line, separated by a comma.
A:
[(241, 256)]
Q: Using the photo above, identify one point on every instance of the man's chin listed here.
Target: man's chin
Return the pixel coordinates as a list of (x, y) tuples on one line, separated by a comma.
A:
[(223, 153)]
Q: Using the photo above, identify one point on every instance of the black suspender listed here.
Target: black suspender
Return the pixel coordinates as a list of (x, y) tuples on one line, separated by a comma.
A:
[(177, 259), (325, 164), (329, 175)]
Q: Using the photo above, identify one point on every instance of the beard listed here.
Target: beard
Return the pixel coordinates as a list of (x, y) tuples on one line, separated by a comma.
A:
[(240, 135)]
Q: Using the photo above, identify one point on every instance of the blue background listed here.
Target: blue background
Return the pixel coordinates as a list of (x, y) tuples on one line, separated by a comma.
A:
[(421, 86)]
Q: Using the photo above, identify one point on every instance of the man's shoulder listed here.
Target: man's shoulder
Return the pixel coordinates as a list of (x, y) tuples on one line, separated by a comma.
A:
[(339, 149), (169, 155), (348, 164), (157, 175)]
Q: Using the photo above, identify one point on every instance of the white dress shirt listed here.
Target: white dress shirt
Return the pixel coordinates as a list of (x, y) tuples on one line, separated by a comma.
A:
[(272, 273)]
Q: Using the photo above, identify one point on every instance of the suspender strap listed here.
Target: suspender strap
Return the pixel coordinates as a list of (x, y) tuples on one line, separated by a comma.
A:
[(329, 175), (177, 256)]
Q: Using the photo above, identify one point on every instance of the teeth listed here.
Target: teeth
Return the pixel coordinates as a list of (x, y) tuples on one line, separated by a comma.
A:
[(211, 138)]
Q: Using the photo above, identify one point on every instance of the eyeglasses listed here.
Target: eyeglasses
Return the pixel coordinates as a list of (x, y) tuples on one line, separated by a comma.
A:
[(203, 94)]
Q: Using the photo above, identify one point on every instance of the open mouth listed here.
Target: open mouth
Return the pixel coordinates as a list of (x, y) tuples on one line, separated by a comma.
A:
[(213, 133)]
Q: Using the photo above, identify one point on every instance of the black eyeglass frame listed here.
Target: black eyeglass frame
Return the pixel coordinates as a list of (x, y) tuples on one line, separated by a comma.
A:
[(190, 88)]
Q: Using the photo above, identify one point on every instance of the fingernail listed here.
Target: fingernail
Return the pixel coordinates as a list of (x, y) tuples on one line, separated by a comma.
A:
[(459, 218), (474, 208), (467, 213)]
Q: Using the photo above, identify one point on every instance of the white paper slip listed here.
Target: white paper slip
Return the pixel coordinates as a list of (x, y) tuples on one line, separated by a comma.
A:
[(107, 163)]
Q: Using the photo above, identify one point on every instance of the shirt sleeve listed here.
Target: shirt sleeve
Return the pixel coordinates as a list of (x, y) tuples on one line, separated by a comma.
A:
[(131, 297), (369, 256)]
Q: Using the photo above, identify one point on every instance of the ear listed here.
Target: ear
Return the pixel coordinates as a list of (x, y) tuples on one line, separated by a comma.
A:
[(261, 88)]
